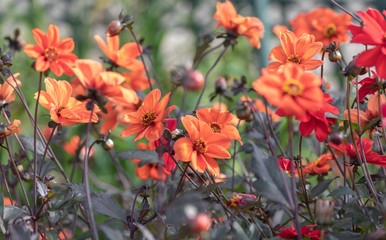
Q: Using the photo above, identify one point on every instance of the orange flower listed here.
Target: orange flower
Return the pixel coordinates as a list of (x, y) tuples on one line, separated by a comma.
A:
[(6, 91), (219, 122), (151, 170), (147, 120), (73, 145), (250, 27), (137, 79), (201, 146), (64, 109), (93, 76), (319, 166), (11, 128), (123, 57), (223, 108), (298, 50), (51, 52), (326, 25), (293, 90), (7, 201), (260, 106)]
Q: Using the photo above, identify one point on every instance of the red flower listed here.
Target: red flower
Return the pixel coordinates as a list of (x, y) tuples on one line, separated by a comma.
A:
[(171, 125), (289, 233), (372, 33), (286, 164), (371, 157), (369, 86), (317, 120)]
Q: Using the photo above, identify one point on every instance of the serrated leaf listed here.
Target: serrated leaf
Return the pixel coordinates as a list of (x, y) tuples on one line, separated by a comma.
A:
[(147, 156), (105, 204), (28, 143), (321, 187), (270, 184), (342, 190)]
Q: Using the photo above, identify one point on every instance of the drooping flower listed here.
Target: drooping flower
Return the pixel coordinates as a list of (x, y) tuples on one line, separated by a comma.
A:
[(6, 90), (250, 27), (219, 122), (319, 166), (372, 33), (201, 146), (147, 120), (155, 171), (93, 77), (51, 52), (371, 157), (63, 108), (293, 90), (326, 25), (305, 231), (318, 121), (299, 50)]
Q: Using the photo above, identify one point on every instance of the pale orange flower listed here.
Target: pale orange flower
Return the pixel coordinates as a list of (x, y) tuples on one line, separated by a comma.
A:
[(93, 77), (293, 90), (298, 50), (219, 122), (63, 108), (201, 146), (155, 171), (6, 90), (51, 52), (11, 128), (147, 120), (74, 143), (250, 27)]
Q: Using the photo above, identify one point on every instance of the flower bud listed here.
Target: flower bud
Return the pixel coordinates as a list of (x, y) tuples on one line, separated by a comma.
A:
[(323, 211), (114, 28), (352, 70), (221, 85), (243, 112), (193, 80), (108, 144), (335, 56), (336, 138), (201, 223)]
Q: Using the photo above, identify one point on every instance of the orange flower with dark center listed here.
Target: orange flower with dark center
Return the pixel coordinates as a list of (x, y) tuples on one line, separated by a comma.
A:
[(201, 146), (250, 27), (319, 166), (293, 90), (147, 120), (63, 108), (6, 90), (219, 122), (299, 50), (155, 171), (51, 52), (326, 25)]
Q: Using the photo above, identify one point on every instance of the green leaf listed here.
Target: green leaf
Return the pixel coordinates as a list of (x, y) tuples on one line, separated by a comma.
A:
[(105, 204), (341, 191), (321, 187), (28, 143), (147, 156), (13, 212), (270, 184)]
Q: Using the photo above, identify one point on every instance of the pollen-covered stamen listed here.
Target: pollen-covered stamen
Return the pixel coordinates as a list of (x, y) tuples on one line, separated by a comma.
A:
[(59, 110), (148, 118), (330, 30), (200, 145), (294, 59), (51, 54), (216, 127), (293, 87)]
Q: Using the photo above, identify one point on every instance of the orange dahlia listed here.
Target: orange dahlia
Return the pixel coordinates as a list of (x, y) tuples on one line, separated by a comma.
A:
[(51, 52), (201, 146), (147, 120), (299, 50), (6, 90)]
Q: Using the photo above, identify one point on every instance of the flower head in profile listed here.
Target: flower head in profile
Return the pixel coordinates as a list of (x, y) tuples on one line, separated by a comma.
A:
[(6, 90), (201, 146), (63, 108), (155, 171), (294, 49), (319, 166), (326, 25), (250, 27), (316, 120), (219, 122), (11, 128), (372, 33), (51, 52), (293, 90), (242, 200), (369, 85), (371, 157), (147, 120)]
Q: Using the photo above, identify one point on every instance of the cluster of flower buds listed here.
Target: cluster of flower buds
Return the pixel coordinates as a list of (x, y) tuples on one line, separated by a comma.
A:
[(116, 27)]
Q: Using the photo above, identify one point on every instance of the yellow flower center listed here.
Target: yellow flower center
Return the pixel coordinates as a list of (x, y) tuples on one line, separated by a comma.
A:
[(148, 118), (293, 87), (51, 54), (294, 59), (330, 30), (200, 145), (216, 127)]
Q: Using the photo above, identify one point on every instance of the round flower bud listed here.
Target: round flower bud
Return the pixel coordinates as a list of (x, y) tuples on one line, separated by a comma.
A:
[(336, 138), (201, 223), (193, 81), (335, 56), (114, 28), (221, 85), (108, 144), (243, 112)]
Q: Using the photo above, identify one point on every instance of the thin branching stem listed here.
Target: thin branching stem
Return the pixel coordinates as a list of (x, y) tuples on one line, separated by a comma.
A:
[(46, 148)]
